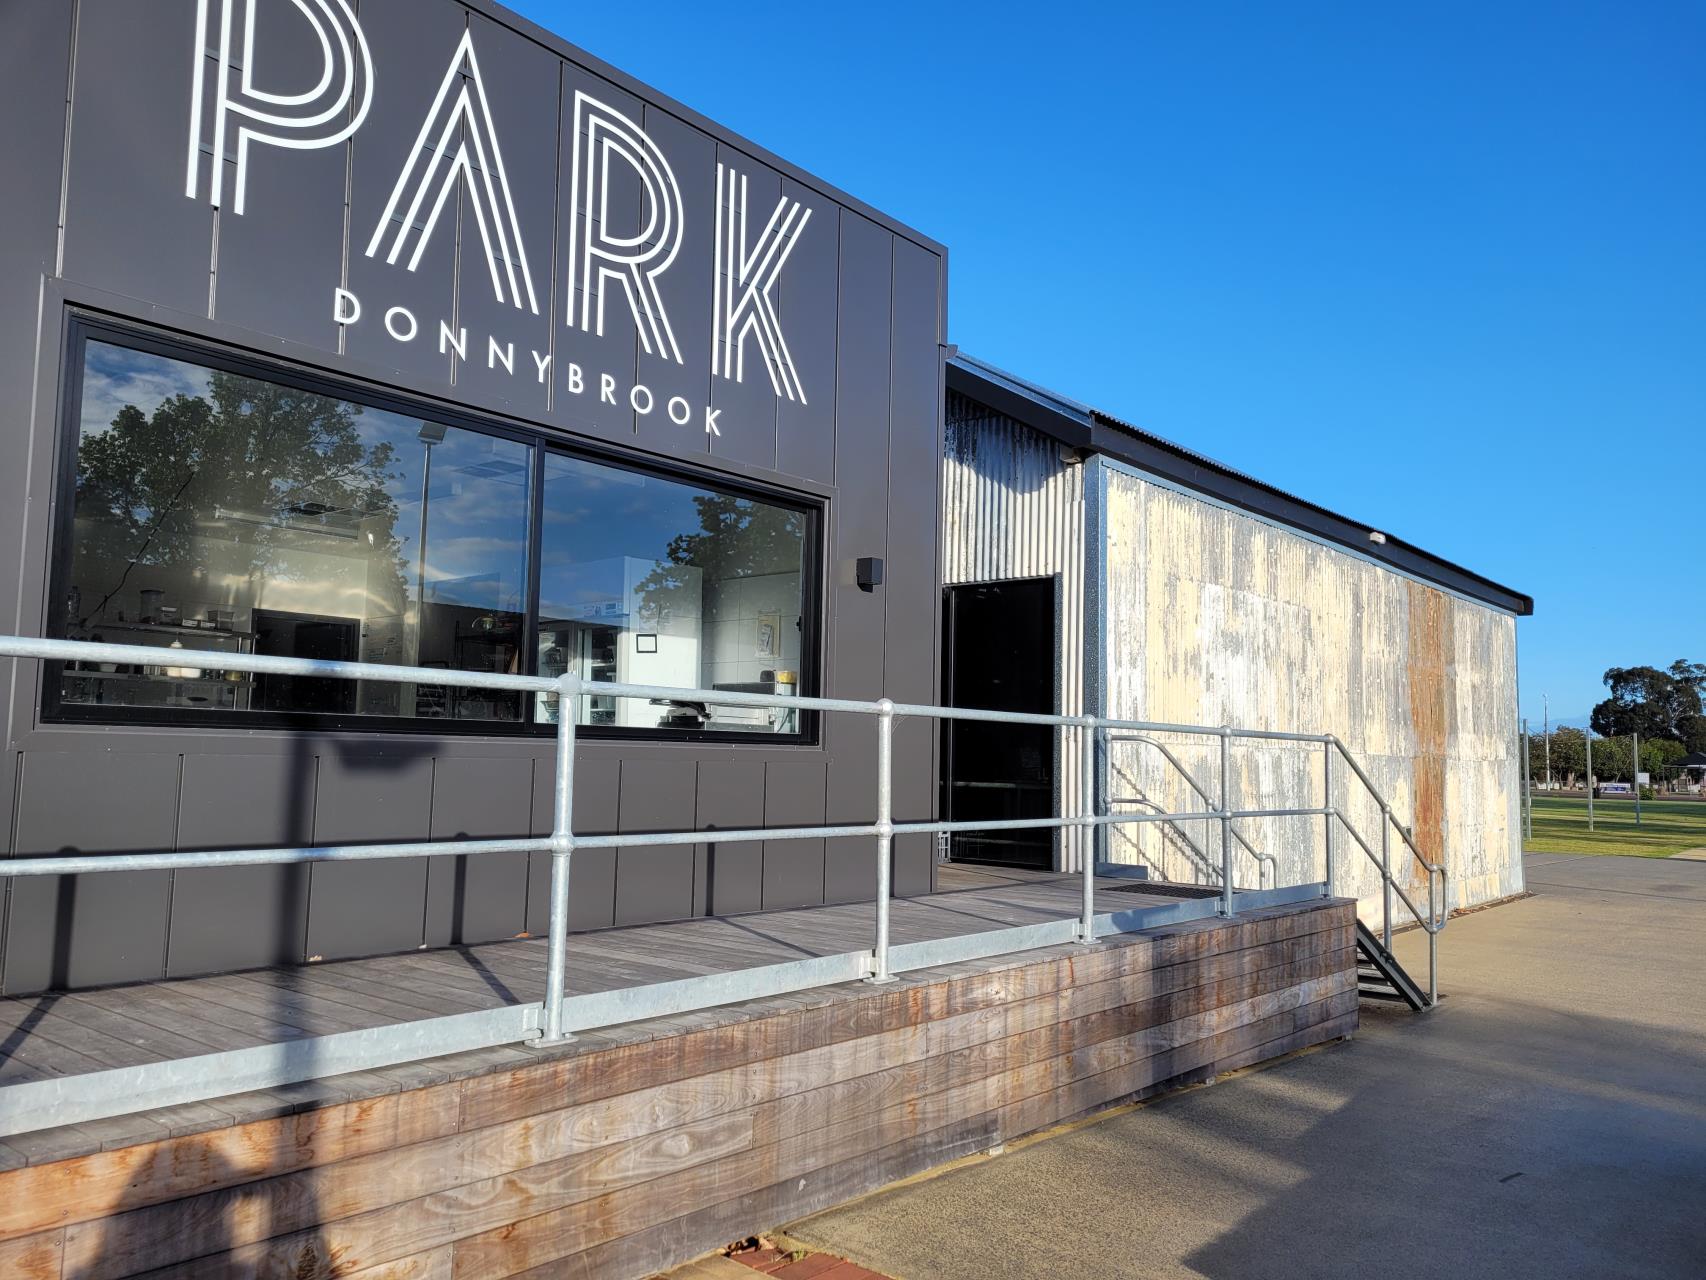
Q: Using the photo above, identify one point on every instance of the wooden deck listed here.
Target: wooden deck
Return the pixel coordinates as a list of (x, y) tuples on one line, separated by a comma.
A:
[(58, 1035), (631, 1149)]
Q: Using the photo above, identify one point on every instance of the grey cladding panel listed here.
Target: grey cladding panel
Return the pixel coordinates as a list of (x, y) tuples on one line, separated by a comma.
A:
[(805, 297), (850, 870), (409, 66), (361, 908), (849, 873), (693, 157), (730, 877), (914, 801), (793, 797), (861, 466), (914, 474), (130, 135), (242, 917), (34, 66), (592, 872), (522, 85), (656, 883), (611, 345), (280, 258), (749, 405), (912, 580), (480, 898), (83, 931), (861, 454)]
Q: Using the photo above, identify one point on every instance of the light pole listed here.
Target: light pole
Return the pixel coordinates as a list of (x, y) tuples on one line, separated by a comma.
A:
[(1546, 703), (1527, 783), (1587, 739), (431, 433), (1635, 747)]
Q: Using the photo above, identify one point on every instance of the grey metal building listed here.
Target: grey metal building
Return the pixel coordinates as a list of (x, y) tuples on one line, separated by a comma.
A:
[(413, 334)]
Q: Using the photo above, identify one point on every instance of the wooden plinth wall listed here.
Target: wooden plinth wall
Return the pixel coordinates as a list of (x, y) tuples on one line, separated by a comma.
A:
[(644, 1147)]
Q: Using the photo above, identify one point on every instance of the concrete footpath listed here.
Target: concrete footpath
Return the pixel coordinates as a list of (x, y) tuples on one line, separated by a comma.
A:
[(1547, 1120)]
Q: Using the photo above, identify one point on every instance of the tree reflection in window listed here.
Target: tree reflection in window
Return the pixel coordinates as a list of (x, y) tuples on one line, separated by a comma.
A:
[(282, 461), (223, 512)]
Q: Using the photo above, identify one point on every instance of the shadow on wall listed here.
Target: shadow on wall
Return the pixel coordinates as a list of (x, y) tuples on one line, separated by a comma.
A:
[(243, 1212), (141, 1234)]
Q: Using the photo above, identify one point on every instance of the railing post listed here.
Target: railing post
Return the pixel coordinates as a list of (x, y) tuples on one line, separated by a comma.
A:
[(885, 836), (1433, 956), (1327, 749), (1386, 874), (1087, 827), (1226, 908), (562, 848)]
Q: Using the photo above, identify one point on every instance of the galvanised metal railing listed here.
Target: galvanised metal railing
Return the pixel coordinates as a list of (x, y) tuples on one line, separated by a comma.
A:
[(1138, 739), (72, 1099)]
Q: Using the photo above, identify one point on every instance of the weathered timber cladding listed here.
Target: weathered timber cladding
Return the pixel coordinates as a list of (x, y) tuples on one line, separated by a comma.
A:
[(646, 1146), (1217, 617)]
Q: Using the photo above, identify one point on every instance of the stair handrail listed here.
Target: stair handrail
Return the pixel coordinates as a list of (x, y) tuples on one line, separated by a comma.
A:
[(1438, 912), (1206, 864), (1261, 858)]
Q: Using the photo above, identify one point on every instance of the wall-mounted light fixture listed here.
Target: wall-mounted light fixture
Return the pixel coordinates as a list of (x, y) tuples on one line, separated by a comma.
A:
[(868, 572)]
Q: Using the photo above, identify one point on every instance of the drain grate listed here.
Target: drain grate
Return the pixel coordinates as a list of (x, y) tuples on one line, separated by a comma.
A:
[(1158, 889)]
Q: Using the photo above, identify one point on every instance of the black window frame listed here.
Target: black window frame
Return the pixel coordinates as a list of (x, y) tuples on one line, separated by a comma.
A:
[(55, 710)]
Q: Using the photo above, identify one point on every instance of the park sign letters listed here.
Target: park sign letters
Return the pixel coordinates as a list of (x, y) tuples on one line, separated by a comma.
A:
[(622, 217)]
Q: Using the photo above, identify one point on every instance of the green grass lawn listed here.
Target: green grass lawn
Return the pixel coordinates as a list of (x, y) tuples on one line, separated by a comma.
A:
[(1667, 827)]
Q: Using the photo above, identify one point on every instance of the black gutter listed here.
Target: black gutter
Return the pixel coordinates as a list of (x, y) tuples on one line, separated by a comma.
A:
[(1081, 427)]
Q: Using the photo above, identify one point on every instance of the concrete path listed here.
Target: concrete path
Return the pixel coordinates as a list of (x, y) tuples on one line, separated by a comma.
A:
[(1547, 1120)]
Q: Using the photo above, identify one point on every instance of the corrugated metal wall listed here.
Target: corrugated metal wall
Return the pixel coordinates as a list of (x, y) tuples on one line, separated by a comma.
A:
[(1215, 616), (1012, 508)]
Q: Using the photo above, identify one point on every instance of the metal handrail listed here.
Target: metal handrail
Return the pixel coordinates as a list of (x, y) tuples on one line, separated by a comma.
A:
[(1204, 863), (1144, 740), (1438, 914), (72, 1099)]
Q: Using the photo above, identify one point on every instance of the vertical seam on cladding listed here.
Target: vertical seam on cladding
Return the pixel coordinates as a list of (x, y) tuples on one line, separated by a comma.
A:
[(172, 876), (65, 147), (349, 218), (551, 317), (463, 195)]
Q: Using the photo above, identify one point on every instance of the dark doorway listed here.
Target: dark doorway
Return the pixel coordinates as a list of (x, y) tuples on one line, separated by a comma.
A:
[(999, 654)]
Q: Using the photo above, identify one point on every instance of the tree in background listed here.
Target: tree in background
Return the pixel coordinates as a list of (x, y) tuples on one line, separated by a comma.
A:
[(1655, 704), (1610, 757), (1569, 756)]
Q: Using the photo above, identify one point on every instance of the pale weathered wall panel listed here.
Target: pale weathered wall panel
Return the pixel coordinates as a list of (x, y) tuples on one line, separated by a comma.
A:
[(1215, 616)]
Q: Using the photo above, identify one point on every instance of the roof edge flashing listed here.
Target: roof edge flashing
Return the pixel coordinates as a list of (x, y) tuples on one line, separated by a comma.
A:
[(1083, 427)]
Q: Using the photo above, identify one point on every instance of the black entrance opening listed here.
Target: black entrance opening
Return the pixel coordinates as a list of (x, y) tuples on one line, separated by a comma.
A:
[(999, 654)]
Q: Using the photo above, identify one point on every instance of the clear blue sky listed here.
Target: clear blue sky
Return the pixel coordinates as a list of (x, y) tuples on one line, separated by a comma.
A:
[(1441, 267)]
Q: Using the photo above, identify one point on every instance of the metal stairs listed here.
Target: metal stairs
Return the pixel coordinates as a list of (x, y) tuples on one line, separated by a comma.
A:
[(1381, 977)]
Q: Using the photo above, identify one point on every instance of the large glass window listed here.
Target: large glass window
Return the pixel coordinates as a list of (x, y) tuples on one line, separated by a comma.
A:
[(648, 580), (216, 512)]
